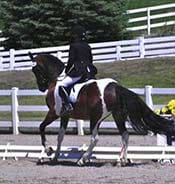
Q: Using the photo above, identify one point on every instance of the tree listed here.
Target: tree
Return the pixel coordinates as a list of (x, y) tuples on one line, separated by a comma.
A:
[(38, 23)]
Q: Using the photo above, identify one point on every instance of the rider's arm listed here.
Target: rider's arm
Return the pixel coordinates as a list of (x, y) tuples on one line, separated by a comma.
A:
[(71, 59)]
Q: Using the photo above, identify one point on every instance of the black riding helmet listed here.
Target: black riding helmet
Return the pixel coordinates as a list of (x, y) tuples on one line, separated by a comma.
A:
[(78, 32)]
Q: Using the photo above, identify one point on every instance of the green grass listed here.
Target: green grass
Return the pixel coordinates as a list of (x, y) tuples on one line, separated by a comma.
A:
[(158, 72), (133, 4)]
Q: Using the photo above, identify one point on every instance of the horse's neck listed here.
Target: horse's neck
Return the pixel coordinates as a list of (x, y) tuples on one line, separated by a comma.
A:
[(52, 86)]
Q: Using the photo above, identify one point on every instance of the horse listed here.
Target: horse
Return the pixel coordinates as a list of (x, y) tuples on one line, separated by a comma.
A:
[(94, 101)]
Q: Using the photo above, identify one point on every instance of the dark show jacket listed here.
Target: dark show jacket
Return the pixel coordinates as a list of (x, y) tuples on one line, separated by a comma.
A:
[(80, 57)]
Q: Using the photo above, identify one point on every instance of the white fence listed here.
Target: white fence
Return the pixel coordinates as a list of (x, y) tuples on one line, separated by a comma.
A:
[(150, 17), (15, 108), (102, 52), (159, 153)]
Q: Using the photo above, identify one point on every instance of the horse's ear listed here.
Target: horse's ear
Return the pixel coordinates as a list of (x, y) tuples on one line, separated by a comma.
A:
[(31, 56)]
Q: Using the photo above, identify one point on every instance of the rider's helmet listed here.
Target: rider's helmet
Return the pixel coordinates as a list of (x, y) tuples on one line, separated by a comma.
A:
[(78, 32)]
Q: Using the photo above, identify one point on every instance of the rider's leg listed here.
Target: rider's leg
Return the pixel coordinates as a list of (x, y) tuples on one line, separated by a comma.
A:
[(67, 107)]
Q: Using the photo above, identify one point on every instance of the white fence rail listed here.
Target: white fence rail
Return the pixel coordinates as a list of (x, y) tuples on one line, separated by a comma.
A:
[(99, 153), (102, 52), (15, 108), (151, 17)]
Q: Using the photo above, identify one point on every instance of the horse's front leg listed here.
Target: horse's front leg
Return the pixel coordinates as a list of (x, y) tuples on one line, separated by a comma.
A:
[(61, 133), (50, 117)]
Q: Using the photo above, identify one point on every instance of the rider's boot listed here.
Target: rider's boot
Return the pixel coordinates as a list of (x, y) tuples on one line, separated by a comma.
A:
[(66, 105)]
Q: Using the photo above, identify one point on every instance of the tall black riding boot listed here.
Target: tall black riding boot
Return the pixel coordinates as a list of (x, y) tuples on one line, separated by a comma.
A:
[(67, 106)]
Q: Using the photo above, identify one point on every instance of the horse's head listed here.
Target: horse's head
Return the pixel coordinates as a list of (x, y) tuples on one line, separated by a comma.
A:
[(41, 78), (46, 70)]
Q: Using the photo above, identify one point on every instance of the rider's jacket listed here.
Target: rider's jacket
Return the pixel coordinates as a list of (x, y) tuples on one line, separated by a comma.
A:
[(80, 59)]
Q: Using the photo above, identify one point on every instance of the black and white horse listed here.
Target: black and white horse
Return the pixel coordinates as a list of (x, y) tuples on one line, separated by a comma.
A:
[(95, 100)]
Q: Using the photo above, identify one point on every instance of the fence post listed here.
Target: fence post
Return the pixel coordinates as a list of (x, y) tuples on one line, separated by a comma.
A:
[(15, 117), (12, 59), (149, 102), (59, 55), (1, 63), (118, 52), (148, 21), (80, 124), (142, 47)]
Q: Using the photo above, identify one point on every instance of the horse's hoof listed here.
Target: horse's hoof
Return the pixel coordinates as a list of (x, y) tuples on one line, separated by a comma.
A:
[(49, 151), (54, 161), (40, 161), (82, 161), (122, 162)]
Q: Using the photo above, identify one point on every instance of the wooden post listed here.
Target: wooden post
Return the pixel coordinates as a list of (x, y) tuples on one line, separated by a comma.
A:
[(15, 117), (142, 47), (148, 96), (1, 63), (12, 59), (80, 124), (161, 140), (59, 55), (118, 52)]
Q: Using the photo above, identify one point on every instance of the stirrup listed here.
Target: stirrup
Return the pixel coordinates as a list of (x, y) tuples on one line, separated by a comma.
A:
[(66, 109)]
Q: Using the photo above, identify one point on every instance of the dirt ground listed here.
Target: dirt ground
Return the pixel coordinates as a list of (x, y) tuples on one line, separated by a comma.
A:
[(26, 171)]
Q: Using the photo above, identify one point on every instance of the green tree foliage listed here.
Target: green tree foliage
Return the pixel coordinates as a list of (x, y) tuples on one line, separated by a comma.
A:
[(43, 23)]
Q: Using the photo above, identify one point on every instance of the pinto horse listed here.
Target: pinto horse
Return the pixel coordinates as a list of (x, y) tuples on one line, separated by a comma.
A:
[(95, 100)]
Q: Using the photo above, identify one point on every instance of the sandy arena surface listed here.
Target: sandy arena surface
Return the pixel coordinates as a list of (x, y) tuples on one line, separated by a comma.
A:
[(25, 171)]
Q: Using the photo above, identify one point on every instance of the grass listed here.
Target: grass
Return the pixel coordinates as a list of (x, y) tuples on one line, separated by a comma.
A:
[(158, 72), (133, 4)]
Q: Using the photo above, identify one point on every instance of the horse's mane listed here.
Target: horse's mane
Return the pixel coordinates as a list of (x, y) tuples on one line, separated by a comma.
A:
[(53, 66)]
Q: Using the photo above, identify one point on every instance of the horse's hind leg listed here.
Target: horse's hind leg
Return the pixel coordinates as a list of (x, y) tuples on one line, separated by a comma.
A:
[(120, 119), (94, 140)]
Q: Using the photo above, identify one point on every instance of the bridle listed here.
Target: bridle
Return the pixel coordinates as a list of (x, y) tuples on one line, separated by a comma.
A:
[(42, 78), (46, 73)]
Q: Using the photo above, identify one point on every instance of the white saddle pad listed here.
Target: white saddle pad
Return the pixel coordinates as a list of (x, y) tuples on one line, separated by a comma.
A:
[(76, 89)]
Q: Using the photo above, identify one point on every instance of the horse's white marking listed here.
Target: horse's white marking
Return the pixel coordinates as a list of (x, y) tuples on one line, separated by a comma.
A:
[(102, 85), (76, 89)]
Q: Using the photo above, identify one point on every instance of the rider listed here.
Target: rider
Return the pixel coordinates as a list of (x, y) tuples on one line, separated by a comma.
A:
[(79, 66)]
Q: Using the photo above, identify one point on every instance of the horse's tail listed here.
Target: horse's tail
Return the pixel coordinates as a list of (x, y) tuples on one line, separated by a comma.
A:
[(142, 118)]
